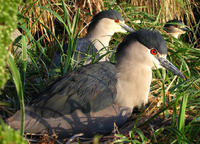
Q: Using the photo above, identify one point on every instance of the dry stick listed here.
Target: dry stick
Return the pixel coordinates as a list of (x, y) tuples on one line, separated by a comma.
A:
[(73, 137), (83, 28), (167, 89)]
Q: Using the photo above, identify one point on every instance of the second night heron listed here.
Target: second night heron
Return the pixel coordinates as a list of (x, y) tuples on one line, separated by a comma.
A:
[(99, 33), (175, 28), (91, 98)]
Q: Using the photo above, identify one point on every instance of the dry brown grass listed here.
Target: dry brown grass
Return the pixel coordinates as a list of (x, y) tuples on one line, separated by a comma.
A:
[(87, 10), (170, 9), (33, 12)]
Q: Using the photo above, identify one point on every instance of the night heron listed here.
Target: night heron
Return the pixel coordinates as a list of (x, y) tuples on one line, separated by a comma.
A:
[(92, 98), (175, 27), (99, 33)]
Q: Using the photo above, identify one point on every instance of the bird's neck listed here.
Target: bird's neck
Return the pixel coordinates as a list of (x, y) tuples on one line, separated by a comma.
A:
[(100, 40), (176, 35), (100, 37), (134, 79)]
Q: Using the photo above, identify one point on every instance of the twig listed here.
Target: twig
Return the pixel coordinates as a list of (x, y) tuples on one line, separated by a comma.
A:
[(73, 137)]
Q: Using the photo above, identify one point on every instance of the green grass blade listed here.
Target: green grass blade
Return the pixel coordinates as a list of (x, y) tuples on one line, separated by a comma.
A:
[(66, 16), (24, 57), (57, 16), (18, 84), (75, 23), (181, 120)]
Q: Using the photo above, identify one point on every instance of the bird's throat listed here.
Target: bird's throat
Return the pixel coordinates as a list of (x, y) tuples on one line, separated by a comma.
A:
[(133, 85)]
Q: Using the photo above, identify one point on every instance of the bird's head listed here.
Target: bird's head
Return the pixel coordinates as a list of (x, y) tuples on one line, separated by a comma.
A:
[(175, 28), (109, 20), (146, 48)]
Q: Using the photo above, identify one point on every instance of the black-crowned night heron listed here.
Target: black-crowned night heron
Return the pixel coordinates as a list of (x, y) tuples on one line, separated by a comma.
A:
[(99, 33), (175, 27), (90, 99)]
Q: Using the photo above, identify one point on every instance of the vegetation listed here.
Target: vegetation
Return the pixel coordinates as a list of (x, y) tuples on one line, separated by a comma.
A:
[(10, 136), (172, 115), (8, 23)]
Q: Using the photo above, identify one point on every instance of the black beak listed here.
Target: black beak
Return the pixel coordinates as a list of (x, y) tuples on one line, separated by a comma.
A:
[(184, 29), (168, 65), (127, 28)]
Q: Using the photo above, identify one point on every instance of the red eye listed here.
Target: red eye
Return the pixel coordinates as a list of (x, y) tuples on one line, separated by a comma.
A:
[(116, 20), (176, 26), (153, 51)]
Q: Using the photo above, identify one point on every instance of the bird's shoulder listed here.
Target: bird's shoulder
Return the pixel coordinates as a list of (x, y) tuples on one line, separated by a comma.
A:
[(84, 45)]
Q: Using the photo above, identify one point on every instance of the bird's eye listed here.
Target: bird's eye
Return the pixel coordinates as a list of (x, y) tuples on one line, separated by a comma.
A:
[(116, 20), (153, 51)]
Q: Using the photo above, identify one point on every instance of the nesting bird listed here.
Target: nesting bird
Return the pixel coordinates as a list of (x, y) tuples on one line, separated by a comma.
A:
[(91, 98), (99, 33), (175, 28)]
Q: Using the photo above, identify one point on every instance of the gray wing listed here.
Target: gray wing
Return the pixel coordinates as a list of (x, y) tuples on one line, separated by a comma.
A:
[(90, 88), (85, 51)]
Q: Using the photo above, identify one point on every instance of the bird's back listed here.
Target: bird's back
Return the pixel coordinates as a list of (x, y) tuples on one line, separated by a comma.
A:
[(89, 88), (84, 52)]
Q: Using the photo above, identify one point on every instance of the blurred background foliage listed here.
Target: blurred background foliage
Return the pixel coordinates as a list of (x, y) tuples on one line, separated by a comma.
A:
[(10, 136), (8, 23)]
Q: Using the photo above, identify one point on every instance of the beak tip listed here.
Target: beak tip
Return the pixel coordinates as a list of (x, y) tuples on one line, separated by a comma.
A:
[(182, 76), (185, 29), (168, 65)]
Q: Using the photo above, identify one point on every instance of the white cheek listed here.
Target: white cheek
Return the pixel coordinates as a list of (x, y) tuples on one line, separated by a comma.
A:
[(156, 63), (119, 28), (122, 30)]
